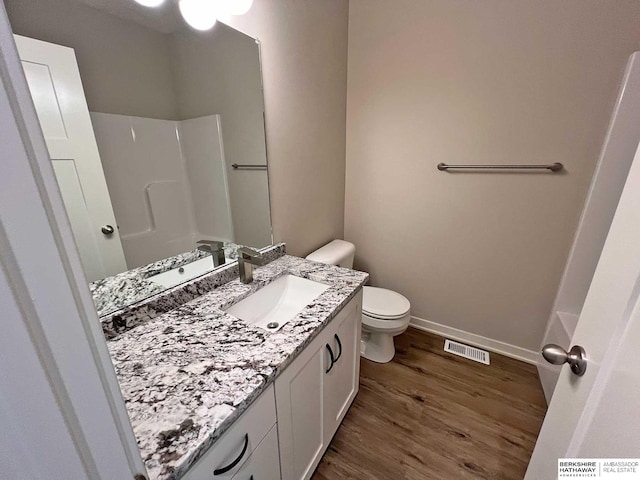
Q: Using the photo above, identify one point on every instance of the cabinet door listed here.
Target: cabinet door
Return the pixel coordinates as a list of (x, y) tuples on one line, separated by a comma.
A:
[(300, 409), (342, 381), (263, 464)]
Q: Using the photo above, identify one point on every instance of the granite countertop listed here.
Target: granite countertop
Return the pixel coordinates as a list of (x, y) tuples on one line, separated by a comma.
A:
[(187, 374), (118, 291)]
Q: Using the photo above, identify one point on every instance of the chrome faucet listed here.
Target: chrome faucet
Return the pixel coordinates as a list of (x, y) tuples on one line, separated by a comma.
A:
[(215, 248), (247, 259)]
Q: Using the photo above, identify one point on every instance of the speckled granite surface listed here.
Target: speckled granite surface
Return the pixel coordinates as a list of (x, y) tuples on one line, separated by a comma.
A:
[(168, 299), (188, 374), (114, 293)]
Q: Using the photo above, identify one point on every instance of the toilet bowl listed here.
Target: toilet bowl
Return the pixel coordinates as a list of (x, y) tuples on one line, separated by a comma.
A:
[(385, 313)]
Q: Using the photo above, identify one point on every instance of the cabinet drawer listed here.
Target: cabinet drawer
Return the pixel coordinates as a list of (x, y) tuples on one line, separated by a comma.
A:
[(230, 452), (264, 462)]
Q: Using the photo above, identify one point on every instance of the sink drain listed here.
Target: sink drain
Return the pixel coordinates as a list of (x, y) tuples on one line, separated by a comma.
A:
[(273, 325)]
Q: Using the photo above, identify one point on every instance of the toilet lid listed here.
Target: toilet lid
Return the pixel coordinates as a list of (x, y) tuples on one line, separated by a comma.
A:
[(383, 303)]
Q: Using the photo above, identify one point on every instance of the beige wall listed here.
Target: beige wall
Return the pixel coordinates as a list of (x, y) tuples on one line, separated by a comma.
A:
[(219, 72), (125, 68), (304, 60), (462, 81)]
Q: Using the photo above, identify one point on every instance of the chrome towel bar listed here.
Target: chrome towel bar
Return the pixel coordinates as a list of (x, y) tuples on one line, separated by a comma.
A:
[(237, 166), (553, 167)]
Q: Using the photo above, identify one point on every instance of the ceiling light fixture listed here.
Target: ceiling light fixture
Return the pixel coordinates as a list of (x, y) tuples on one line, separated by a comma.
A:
[(200, 14), (150, 3), (203, 14), (238, 7)]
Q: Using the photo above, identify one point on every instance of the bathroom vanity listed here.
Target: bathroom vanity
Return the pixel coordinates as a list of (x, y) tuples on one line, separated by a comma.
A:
[(211, 396)]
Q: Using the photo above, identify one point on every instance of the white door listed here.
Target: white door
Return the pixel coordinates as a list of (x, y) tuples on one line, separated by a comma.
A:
[(597, 415), (54, 81)]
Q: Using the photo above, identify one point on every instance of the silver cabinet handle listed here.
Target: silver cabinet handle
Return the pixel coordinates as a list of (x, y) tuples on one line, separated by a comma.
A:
[(107, 229), (576, 357)]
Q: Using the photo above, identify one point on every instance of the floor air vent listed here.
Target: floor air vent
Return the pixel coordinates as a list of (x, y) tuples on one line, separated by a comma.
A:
[(466, 351)]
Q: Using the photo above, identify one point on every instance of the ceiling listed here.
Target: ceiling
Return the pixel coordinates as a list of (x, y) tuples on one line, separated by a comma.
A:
[(164, 19)]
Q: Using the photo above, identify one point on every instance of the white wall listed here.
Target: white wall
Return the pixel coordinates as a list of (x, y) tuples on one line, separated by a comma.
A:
[(125, 68), (477, 82)]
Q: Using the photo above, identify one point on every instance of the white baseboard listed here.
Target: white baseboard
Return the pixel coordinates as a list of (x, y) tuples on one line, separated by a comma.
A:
[(496, 346)]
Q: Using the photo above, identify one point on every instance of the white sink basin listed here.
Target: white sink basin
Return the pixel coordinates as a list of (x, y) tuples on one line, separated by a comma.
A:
[(176, 276), (278, 302)]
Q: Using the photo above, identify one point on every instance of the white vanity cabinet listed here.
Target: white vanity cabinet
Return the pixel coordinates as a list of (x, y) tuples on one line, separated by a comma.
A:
[(341, 382), (315, 391), (301, 407), (247, 439), (310, 399)]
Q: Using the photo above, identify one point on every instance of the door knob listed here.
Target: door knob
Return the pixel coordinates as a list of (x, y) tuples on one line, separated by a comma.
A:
[(576, 357), (107, 229)]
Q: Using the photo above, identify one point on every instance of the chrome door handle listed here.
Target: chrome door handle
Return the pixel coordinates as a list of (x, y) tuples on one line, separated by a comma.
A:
[(576, 357), (107, 229)]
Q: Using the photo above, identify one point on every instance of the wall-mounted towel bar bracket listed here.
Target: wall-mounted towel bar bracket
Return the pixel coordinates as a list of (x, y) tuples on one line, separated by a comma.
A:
[(552, 167)]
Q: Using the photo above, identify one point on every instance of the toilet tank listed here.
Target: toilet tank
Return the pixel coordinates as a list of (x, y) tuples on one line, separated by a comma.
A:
[(337, 252)]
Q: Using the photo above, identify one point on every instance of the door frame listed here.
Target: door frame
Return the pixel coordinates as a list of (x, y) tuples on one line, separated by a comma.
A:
[(42, 266)]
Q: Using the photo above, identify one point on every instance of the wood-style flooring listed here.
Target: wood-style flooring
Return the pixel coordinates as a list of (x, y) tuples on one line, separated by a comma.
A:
[(432, 415)]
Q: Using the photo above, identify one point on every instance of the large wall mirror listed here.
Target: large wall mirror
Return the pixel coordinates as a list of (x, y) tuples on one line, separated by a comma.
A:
[(156, 136)]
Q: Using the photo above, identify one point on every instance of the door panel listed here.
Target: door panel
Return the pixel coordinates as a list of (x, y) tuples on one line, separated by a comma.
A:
[(615, 406), (45, 100), (585, 412), (56, 89), (76, 207)]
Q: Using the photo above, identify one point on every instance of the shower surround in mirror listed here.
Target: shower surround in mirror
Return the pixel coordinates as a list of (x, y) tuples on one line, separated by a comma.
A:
[(154, 169), (172, 110)]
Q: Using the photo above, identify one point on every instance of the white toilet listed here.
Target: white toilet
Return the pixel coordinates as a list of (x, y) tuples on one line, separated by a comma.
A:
[(385, 313)]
